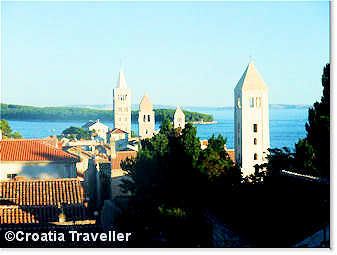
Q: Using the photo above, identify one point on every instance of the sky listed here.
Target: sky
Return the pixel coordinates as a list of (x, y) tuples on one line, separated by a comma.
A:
[(189, 54)]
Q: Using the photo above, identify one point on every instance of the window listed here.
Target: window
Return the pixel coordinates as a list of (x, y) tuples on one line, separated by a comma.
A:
[(251, 102), (255, 141), (146, 131), (258, 102), (239, 102), (11, 176), (255, 156), (255, 128), (148, 118), (144, 118)]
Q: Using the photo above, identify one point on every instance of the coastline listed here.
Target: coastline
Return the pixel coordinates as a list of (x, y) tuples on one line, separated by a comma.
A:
[(204, 122)]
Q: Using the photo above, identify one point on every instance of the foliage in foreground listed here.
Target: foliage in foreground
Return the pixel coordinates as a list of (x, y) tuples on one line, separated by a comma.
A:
[(6, 130), (169, 184)]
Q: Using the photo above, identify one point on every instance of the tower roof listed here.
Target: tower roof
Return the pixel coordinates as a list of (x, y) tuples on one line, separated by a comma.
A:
[(251, 79), (121, 80), (179, 111), (145, 103)]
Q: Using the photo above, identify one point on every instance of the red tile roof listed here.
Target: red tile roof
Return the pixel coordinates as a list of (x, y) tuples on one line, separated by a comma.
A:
[(32, 150), (41, 201), (14, 214), (42, 192), (118, 131), (120, 156)]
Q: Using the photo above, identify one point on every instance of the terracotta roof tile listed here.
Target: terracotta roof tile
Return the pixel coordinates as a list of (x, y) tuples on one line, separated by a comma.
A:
[(40, 214), (41, 201), (32, 150), (118, 131), (38, 192)]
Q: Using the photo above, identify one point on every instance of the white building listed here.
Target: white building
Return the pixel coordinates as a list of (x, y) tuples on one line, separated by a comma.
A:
[(98, 128), (251, 120), (122, 105), (146, 118), (179, 119), (35, 158)]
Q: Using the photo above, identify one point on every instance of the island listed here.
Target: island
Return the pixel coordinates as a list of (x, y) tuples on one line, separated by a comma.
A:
[(33, 113)]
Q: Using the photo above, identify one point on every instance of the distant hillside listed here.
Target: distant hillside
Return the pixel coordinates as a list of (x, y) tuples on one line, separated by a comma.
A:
[(192, 108), (109, 106), (22, 112)]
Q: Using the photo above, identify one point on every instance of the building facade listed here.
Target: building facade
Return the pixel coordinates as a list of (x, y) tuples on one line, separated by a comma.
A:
[(146, 118), (98, 128), (122, 105), (179, 119), (251, 120), (35, 158)]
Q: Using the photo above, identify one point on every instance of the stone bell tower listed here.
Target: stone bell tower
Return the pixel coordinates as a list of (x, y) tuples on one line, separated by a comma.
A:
[(122, 104), (179, 119), (146, 118), (251, 120)]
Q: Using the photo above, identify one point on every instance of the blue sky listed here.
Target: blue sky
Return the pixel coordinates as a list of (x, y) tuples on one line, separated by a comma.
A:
[(61, 53)]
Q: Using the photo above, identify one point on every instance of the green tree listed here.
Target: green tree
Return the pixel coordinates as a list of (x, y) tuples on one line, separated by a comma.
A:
[(168, 184), (218, 169), (76, 133), (318, 129), (166, 126), (164, 188), (7, 131)]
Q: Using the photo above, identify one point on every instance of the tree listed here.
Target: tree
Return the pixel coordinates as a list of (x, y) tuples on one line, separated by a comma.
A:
[(6, 130), (318, 129), (165, 185), (169, 186), (76, 133), (215, 162), (166, 127)]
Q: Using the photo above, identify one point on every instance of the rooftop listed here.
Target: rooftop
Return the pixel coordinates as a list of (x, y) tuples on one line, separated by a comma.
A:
[(32, 150), (41, 192), (34, 201), (117, 131)]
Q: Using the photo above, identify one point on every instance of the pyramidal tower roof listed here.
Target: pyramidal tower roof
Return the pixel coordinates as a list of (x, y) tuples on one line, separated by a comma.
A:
[(145, 103), (121, 80), (251, 79), (179, 111)]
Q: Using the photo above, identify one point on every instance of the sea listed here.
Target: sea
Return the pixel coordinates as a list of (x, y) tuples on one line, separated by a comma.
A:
[(287, 125)]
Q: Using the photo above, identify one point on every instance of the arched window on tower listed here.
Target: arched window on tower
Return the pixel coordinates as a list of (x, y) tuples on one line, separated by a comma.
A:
[(148, 118), (255, 156), (144, 118)]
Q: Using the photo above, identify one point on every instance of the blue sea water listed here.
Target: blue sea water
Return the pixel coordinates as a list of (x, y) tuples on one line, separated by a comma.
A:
[(286, 126)]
